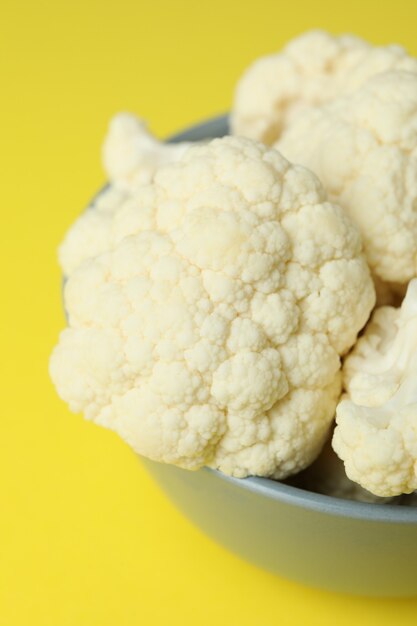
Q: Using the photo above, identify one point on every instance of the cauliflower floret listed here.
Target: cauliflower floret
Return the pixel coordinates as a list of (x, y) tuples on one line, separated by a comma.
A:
[(327, 476), (312, 69), (363, 147), (209, 332), (132, 155), (376, 433)]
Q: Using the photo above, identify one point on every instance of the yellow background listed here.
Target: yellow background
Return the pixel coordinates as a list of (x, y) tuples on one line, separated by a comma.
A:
[(86, 538)]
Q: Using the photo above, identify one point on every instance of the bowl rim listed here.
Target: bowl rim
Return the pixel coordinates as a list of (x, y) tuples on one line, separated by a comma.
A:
[(318, 502), (218, 126)]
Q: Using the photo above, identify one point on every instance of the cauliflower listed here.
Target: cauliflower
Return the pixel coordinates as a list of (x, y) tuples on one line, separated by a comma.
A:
[(376, 433), (131, 158), (210, 331), (312, 69), (364, 149), (132, 155), (327, 476)]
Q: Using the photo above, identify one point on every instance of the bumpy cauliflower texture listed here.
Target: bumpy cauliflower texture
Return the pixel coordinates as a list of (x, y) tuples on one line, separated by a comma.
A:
[(327, 476), (364, 149), (312, 69), (210, 331), (376, 435)]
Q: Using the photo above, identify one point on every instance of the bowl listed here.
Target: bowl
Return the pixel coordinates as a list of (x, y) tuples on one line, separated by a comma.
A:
[(322, 541)]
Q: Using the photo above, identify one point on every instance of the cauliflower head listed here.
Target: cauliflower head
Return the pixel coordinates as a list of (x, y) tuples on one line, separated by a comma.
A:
[(376, 433), (210, 331), (313, 69), (363, 147)]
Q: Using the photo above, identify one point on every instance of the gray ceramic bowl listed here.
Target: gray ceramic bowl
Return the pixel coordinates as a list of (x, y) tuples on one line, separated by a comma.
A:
[(318, 540)]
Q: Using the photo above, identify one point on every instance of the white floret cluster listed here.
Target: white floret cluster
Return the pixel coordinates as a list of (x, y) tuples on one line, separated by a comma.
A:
[(208, 332), (363, 147), (310, 71), (376, 434), (212, 289)]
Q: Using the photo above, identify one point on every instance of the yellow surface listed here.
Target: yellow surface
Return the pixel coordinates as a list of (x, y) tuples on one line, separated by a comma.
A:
[(86, 539)]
